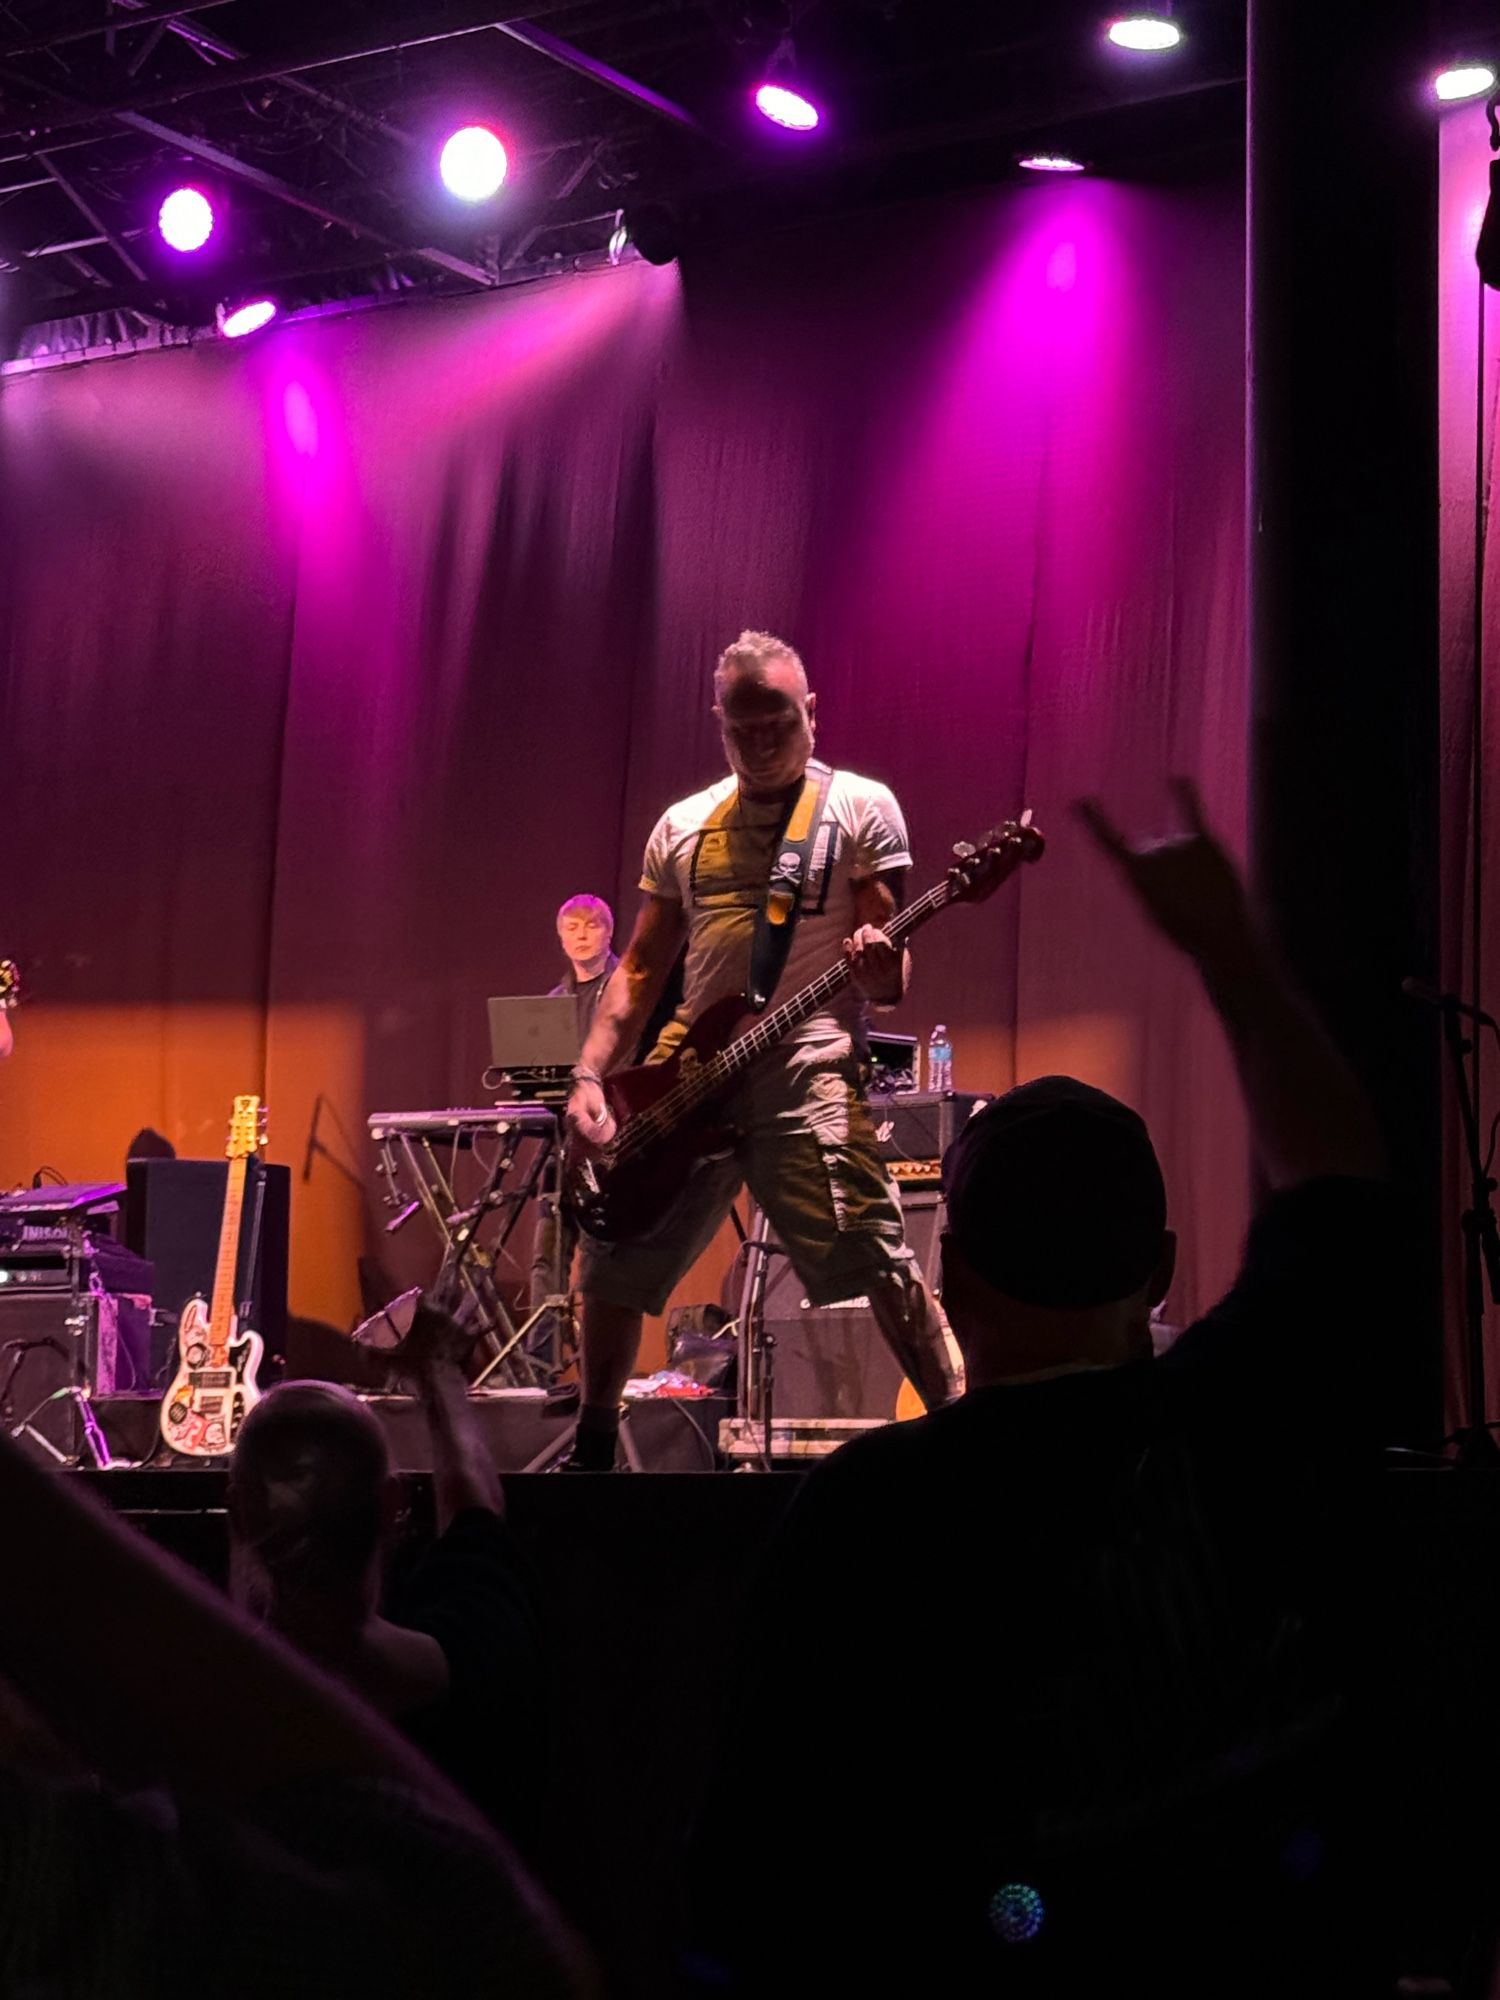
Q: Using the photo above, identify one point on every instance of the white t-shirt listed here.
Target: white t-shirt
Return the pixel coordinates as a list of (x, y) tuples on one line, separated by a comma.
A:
[(719, 875)]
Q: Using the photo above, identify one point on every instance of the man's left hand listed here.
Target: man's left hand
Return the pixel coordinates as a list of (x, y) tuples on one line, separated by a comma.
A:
[(875, 964)]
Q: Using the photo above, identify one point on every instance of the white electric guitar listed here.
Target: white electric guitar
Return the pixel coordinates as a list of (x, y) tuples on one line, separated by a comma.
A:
[(215, 1387)]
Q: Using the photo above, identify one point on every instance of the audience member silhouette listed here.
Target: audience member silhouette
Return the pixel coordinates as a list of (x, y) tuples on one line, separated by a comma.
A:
[(313, 1505), (1048, 1690), (248, 1827)]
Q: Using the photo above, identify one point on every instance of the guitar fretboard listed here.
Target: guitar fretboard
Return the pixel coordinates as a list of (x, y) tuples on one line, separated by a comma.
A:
[(221, 1311)]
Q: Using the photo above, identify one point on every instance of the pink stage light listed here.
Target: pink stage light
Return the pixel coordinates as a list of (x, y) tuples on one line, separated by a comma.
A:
[(473, 164), (248, 318), (787, 108), (1452, 86), (186, 219), (1145, 34), (1062, 268), (300, 419), (1051, 163)]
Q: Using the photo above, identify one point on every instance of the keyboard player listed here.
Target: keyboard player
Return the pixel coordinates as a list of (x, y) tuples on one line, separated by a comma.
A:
[(585, 929)]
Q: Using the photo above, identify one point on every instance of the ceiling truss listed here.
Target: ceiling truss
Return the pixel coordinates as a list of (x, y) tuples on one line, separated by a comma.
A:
[(315, 123)]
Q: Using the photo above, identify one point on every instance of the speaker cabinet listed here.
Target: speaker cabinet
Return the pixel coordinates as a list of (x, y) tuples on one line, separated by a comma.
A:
[(832, 1361), (922, 1124), (45, 1350), (173, 1209)]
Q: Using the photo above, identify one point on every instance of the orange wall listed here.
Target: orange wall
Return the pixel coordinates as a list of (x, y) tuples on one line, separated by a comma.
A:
[(84, 1080)]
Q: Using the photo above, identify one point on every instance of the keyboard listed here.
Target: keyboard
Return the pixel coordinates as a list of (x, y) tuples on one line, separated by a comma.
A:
[(461, 1126)]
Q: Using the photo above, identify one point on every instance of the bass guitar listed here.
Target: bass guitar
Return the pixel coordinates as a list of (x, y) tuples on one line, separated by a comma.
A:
[(215, 1387), (667, 1113)]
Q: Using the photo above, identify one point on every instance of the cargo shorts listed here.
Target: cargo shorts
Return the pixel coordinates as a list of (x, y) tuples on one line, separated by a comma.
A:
[(805, 1146)]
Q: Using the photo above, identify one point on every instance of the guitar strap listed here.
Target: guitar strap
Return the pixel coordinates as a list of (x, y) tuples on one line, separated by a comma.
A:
[(793, 851)]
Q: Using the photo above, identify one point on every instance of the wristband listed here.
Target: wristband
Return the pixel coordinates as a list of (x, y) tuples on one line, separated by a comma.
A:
[(581, 1074)]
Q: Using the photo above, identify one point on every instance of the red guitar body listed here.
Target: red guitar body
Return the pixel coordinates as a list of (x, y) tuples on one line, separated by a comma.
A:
[(612, 1206)]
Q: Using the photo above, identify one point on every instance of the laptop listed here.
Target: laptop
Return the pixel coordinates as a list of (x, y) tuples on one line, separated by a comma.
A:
[(534, 1031)]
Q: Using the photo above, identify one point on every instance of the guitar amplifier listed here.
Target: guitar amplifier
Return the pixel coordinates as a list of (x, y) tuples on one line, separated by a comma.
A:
[(45, 1350), (832, 1361), (917, 1128), (43, 1260)]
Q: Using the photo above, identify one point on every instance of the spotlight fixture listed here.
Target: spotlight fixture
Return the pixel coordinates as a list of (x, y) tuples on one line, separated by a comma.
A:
[(787, 108), (1145, 33), (186, 219), (656, 229), (473, 163), (1051, 163), (248, 317), (1453, 85)]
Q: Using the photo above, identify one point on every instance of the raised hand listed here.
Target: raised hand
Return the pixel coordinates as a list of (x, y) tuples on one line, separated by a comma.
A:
[(434, 1340), (1187, 884)]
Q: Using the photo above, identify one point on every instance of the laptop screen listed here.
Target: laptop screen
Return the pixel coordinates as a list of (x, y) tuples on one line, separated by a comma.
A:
[(534, 1031)]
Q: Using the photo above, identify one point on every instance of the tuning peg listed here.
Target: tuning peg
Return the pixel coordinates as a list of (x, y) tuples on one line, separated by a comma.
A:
[(964, 850)]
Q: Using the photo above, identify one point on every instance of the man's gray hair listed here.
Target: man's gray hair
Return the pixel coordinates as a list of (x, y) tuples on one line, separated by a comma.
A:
[(752, 653)]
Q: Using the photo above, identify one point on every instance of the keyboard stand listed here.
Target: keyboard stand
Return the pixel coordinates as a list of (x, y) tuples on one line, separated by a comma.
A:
[(420, 1162)]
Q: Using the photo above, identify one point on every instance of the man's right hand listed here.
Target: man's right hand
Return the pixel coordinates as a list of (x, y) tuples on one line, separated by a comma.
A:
[(1187, 884), (1309, 1116), (589, 1116)]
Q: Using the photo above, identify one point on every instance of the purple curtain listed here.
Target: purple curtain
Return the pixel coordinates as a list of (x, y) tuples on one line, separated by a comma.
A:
[(330, 666)]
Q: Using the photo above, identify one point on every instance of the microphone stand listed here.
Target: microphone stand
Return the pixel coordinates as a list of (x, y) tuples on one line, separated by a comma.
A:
[(757, 1359)]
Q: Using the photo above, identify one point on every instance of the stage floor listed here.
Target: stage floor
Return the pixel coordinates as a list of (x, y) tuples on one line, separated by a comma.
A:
[(523, 1430)]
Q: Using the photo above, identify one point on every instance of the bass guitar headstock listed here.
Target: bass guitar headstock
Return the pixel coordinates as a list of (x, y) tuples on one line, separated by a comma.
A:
[(978, 871), (247, 1128)]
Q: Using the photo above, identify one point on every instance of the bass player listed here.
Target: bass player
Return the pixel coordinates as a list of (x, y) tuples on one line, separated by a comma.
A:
[(804, 1139)]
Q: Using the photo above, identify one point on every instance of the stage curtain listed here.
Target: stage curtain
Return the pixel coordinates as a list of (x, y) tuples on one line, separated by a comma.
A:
[(332, 664)]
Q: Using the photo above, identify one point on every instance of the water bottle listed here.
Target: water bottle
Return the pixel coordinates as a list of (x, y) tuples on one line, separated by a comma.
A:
[(939, 1060)]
